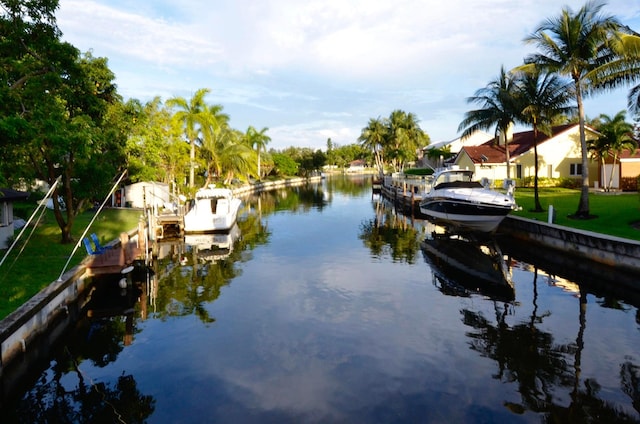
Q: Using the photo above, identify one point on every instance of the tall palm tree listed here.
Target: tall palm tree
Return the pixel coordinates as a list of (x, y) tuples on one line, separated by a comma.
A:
[(624, 68), (404, 137), (258, 140), (576, 45), (616, 136), (195, 117), (373, 138), (542, 97), (498, 109)]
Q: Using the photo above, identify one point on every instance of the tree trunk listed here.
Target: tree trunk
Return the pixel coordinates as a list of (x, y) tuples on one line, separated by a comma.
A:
[(583, 206), (192, 159), (537, 205)]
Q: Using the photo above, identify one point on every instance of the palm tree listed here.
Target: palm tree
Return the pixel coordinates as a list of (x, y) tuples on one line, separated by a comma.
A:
[(258, 140), (542, 97), (404, 137), (195, 117), (498, 108), (616, 136), (228, 154), (575, 45), (373, 137), (624, 68)]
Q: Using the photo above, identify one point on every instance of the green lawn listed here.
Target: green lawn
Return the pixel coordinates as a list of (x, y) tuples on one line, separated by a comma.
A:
[(615, 212), (28, 270)]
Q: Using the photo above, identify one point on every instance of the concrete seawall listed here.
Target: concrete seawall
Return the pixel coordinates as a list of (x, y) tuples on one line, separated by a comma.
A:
[(274, 185), (623, 254), (47, 314)]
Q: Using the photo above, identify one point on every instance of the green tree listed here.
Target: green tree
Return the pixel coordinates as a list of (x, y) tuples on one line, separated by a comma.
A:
[(542, 98), (156, 150), (616, 136), (60, 114), (284, 165), (576, 44), (227, 155), (498, 109), (258, 140), (196, 118), (373, 138), (404, 138)]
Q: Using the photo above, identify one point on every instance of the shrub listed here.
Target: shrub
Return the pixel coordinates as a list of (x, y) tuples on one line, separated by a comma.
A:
[(418, 171)]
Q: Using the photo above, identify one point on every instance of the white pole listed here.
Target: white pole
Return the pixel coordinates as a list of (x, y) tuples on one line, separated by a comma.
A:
[(89, 226), (43, 204)]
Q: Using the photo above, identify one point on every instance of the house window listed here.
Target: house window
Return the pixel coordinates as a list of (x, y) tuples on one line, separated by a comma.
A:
[(518, 171), (576, 169)]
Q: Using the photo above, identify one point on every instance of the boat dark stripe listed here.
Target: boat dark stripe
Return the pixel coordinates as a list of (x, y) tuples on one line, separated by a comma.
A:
[(457, 207)]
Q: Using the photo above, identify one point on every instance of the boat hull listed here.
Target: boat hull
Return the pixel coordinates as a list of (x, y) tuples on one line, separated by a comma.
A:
[(464, 214), (201, 218)]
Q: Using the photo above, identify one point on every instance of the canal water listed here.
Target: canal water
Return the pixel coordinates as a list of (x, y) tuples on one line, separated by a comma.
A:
[(325, 305)]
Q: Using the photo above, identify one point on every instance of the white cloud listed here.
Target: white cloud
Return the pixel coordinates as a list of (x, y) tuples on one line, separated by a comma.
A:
[(310, 69)]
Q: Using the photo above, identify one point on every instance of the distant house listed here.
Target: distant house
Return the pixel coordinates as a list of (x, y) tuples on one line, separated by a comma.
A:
[(357, 165), (559, 156), (7, 197), (141, 194)]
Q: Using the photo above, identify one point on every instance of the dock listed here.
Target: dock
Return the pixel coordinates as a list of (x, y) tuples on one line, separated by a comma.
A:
[(405, 192), (115, 258)]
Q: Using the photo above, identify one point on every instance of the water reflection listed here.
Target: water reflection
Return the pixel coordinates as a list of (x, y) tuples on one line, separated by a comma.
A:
[(391, 234), (64, 393), (293, 319), (461, 266)]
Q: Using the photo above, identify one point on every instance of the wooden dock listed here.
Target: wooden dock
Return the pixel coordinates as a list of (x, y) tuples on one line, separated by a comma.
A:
[(114, 259), (405, 193)]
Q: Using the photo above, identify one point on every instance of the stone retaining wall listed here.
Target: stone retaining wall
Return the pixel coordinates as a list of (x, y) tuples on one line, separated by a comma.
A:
[(624, 254)]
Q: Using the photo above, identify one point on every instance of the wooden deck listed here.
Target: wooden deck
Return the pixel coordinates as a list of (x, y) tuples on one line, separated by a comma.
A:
[(113, 260)]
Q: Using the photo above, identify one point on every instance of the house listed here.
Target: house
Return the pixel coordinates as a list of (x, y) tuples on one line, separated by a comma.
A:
[(7, 197), (141, 194), (454, 146), (357, 165), (626, 173), (559, 156)]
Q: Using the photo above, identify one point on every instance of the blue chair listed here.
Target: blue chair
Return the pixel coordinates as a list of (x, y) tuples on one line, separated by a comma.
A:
[(87, 245), (96, 242)]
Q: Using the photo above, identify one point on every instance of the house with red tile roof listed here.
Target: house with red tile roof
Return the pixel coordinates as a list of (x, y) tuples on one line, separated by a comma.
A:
[(559, 156)]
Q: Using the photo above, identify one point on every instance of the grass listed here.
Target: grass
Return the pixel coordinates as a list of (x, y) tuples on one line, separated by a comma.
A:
[(615, 212), (34, 264)]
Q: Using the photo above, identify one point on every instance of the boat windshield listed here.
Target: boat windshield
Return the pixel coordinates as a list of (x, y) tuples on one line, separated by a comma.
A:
[(454, 176)]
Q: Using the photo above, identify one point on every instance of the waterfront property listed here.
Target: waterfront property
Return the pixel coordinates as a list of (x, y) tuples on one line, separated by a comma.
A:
[(559, 156)]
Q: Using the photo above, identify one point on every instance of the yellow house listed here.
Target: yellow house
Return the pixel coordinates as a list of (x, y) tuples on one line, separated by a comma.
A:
[(559, 156)]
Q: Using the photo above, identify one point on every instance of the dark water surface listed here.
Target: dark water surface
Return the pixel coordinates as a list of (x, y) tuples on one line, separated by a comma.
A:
[(329, 307)]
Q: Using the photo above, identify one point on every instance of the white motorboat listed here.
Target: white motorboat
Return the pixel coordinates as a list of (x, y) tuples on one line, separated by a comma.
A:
[(458, 202), (213, 209)]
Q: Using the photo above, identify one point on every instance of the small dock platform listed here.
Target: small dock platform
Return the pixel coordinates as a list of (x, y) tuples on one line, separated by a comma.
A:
[(114, 259)]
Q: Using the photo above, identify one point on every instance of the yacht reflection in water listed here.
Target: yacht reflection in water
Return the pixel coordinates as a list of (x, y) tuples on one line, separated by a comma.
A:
[(465, 266), (211, 247)]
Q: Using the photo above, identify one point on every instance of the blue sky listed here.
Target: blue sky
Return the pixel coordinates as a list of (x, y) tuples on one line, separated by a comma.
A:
[(310, 70)]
